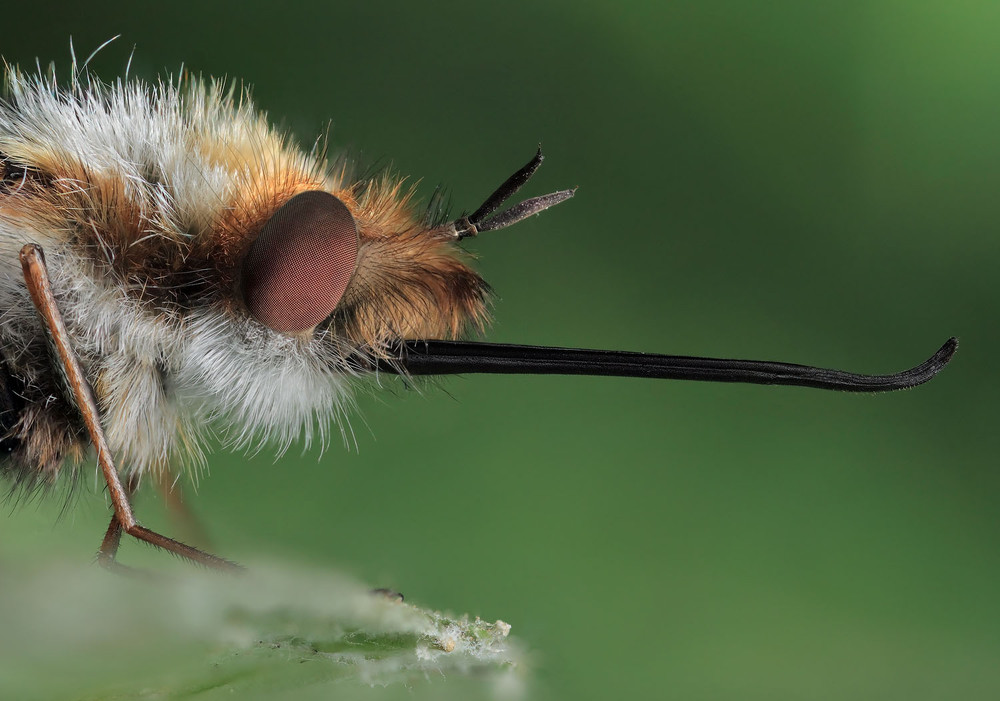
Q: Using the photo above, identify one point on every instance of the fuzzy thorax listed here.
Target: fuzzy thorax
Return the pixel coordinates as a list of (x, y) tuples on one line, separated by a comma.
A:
[(146, 199)]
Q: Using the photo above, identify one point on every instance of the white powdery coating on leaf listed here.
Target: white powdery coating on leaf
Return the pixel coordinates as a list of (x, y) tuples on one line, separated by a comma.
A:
[(208, 631)]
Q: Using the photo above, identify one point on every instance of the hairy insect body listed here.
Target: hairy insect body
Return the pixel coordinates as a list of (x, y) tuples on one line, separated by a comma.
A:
[(146, 199), (170, 265)]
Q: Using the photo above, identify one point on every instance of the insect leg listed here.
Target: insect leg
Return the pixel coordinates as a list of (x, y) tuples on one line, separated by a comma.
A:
[(178, 507), (109, 546), (37, 279), (108, 551)]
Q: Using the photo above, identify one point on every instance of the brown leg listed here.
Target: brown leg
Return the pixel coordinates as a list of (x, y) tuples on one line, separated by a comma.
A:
[(107, 555), (113, 537), (177, 506), (37, 278), (109, 546)]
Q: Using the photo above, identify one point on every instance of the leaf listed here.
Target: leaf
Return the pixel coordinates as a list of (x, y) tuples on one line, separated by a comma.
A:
[(274, 630)]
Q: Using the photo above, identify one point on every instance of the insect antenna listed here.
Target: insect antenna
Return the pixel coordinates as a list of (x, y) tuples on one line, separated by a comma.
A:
[(481, 219)]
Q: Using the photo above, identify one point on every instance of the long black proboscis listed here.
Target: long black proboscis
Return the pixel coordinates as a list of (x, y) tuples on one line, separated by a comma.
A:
[(459, 357)]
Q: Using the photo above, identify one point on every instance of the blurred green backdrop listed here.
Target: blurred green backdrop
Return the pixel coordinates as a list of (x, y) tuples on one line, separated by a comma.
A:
[(808, 182)]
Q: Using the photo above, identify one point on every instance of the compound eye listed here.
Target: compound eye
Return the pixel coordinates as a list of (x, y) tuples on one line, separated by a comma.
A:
[(298, 268)]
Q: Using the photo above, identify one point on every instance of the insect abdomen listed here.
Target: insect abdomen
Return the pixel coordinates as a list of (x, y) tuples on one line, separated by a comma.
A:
[(11, 409)]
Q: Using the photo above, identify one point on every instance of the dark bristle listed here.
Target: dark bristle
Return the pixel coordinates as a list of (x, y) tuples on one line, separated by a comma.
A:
[(14, 175), (438, 210)]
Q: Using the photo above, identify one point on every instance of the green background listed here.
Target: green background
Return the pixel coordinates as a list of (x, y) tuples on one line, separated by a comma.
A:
[(811, 182)]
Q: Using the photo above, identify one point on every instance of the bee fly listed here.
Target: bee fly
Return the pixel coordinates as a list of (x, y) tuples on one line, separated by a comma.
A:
[(171, 262)]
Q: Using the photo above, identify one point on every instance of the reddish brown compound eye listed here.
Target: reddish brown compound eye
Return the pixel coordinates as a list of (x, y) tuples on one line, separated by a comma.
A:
[(298, 268)]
